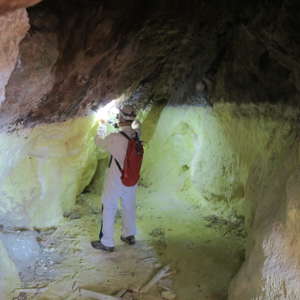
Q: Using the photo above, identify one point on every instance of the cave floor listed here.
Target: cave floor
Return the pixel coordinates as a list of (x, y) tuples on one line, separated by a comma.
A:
[(68, 262)]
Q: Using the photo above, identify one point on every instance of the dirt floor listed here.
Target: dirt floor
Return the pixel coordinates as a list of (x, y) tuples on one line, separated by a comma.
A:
[(68, 264)]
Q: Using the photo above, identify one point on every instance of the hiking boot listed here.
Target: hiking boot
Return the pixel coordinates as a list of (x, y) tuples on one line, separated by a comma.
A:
[(99, 245), (130, 240)]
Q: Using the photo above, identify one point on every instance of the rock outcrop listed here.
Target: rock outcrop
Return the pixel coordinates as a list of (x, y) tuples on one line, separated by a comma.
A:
[(9, 5), (271, 269), (91, 52), (13, 27)]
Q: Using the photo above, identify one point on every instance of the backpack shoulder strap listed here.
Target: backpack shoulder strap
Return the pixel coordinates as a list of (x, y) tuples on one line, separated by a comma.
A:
[(119, 166), (125, 135), (110, 161), (117, 163)]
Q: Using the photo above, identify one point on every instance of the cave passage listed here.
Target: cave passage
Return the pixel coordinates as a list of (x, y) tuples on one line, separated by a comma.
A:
[(216, 88)]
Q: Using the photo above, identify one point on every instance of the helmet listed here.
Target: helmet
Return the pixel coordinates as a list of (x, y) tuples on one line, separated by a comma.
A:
[(127, 113)]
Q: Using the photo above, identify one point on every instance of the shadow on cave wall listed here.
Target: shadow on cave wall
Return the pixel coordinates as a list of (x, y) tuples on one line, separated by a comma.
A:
[(82, 53)]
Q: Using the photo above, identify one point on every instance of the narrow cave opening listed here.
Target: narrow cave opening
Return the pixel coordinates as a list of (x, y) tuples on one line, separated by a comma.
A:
[(216, 88)]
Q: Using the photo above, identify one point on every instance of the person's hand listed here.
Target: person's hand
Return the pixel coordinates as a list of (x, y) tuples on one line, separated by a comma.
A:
[(136, 125), (101, 131)]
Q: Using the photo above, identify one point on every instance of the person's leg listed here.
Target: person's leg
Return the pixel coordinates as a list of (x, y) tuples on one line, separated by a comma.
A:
[(110, 199), (128, 199), (110, 206)]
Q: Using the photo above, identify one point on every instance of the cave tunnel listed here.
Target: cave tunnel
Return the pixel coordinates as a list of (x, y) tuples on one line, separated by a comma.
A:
[(215, 85)]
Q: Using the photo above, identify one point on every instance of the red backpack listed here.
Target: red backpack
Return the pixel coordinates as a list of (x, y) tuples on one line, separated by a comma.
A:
[(133, 160)]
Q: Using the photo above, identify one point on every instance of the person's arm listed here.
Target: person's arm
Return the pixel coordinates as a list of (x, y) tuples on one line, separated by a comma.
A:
[(100, 141), (107, 143), (101, 138)]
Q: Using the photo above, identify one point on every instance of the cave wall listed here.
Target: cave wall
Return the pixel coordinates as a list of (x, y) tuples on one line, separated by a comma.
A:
[(52, 158), (43, 170), (83, 53), (228, 168), (77, 55), (121, 49), (13, 27), (47, 166), (271, 269), (211, 153), (12, 32), (10, 5)]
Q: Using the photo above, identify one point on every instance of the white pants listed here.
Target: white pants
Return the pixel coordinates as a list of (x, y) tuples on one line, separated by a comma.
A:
[(114, 190)]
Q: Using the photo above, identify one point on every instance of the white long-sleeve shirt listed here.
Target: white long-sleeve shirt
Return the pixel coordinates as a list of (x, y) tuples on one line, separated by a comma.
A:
[(116, 144)]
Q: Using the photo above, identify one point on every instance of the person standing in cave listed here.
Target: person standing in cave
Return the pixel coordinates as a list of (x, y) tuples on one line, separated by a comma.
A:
[(114, 189)]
